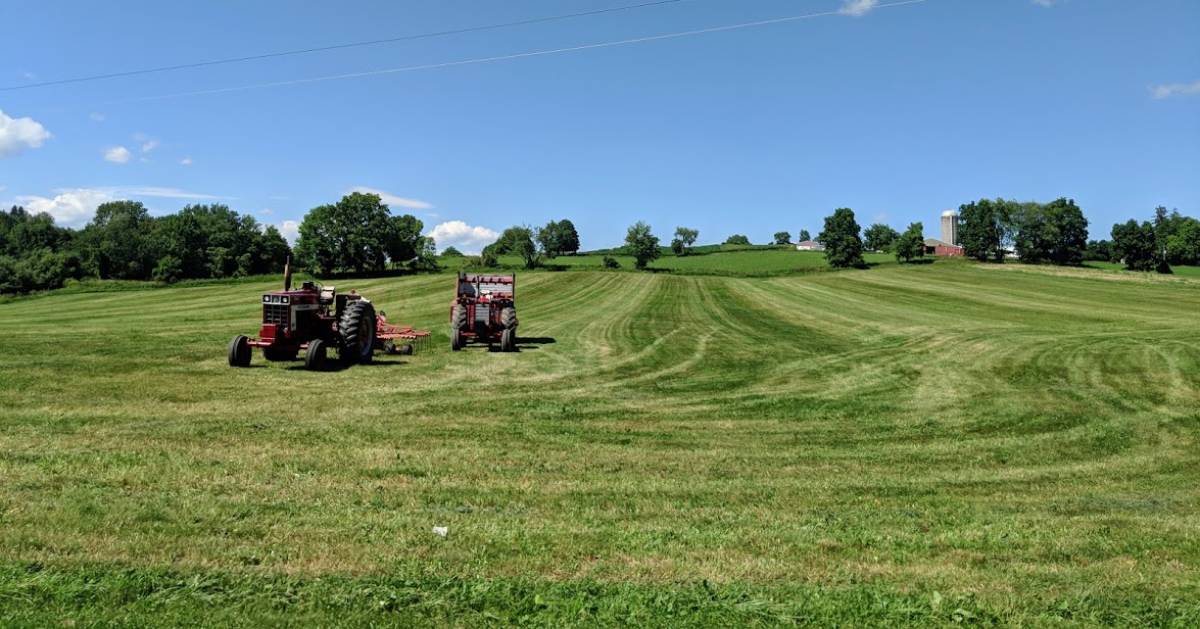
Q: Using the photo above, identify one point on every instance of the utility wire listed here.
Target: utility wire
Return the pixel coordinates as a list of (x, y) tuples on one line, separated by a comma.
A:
[(358, 44), (519, 55)]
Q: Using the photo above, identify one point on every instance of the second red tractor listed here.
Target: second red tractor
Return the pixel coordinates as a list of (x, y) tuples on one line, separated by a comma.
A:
[(484, 311)]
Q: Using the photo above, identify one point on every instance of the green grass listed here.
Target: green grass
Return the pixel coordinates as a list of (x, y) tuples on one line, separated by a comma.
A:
[(760, 261), (933, 444), (1184, 271)]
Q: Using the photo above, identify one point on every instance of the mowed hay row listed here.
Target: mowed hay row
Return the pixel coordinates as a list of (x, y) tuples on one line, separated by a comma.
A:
[(941, 427)]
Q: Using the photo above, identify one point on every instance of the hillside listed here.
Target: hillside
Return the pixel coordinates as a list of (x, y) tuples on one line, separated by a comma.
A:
[(925, 444)]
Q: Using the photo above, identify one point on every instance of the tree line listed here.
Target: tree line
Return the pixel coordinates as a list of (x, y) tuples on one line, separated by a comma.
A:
[(124, 242), (1056, 233)]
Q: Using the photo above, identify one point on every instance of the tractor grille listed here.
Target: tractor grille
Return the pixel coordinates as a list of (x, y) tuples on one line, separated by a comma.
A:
[(276, 313)]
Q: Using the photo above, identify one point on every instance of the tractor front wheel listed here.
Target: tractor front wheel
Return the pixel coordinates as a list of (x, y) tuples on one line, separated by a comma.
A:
[(508, 318), (458, 322), (508, 340), (314, 357), (239, 352), (357, 329)]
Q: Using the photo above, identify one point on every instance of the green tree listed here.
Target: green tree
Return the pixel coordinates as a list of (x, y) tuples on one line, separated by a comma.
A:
[(783, 238), (738, 239), (1136, 245), (1099, 250), (642, 244), (117, 242), (1183, 246), (685, 237), (984, 228), (879, 237), (524, 245), (405, 244), (911, 244), (451, 252), (843, 245), (1054, 233), (803, 236), (558, 238), (354, 233)]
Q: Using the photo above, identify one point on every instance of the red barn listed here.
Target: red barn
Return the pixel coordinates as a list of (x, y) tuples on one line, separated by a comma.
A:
[(935, 247)]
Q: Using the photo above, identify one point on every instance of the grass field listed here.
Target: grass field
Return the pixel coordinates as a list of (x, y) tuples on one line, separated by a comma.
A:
[(937, 444), (759, 262)]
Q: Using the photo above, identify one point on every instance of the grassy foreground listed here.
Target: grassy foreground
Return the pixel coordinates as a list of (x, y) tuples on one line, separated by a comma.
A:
[(943, 443)]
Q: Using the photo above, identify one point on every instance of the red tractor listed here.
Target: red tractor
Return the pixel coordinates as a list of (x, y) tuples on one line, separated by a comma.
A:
[(484, 311), (316, 319)]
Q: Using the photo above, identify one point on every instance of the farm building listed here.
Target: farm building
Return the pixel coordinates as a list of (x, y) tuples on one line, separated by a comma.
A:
[(809, 245), (935, 247)]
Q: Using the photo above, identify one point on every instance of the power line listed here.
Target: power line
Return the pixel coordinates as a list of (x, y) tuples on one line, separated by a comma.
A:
[(358, 44), (519, 55)]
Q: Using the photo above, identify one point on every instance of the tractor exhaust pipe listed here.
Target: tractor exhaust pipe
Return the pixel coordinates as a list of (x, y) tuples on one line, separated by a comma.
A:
[(287, 274)]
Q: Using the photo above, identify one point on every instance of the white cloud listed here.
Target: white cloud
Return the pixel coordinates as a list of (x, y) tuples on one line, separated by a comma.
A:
[(290, 230), (149, 145), (462, 236), (1168, 90), (117, 155), (266, 211), (18, 134), (75, 206), (68, 207), (96, 116), (187, 161), (166, 193), (857, 8), (1047, 3), (393, 200)]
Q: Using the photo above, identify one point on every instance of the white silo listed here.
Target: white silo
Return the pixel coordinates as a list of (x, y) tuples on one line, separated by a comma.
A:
[(950, 227)]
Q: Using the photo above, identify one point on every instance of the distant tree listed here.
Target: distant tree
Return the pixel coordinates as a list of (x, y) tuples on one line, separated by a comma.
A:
[(610, 262), (1099, 251), (520, 240), (737, 239), (879, 237), (843, 244), (358, 233), (1054, 233), (117, 242), (488, 258), (1183, 246), (685, 237), (642, 244), (984, 227), (782, 238), (1135, 245), (558, 238), (911, 244), (803, 236), (451, 252)]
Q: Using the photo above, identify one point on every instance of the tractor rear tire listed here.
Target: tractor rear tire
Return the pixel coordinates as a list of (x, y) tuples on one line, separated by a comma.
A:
[(239, 352), (508, 340), (314, 357), (357, 330), (508, 318), (456, 340)]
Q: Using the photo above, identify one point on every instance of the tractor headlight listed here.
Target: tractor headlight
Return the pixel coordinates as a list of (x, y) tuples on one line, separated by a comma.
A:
[(285, 299), (266, 299)]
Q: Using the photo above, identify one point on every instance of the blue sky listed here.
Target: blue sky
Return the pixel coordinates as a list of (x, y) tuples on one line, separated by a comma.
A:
[(897, 112)]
